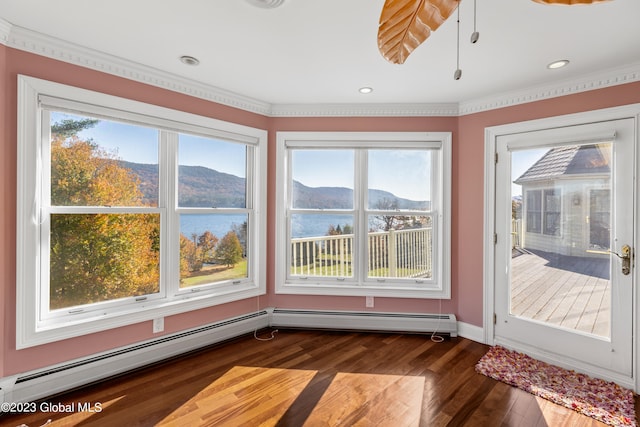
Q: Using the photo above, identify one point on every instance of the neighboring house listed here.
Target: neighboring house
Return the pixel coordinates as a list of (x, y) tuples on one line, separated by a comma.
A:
[(567, 200)]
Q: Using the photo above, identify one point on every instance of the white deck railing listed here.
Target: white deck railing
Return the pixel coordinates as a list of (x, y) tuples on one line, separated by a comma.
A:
[(401, 253)]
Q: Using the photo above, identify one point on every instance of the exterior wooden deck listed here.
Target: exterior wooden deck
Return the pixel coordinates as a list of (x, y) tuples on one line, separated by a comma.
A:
[(566, 291)]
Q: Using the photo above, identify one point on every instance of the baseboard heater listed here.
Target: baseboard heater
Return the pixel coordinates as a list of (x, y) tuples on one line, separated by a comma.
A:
[(366, 321), (56, 379)]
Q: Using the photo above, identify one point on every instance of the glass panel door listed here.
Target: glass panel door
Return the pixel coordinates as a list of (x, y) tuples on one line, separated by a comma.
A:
[(560, 275), (563, 285)]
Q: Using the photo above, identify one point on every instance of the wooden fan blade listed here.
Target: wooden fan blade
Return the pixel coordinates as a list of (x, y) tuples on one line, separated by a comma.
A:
[(405, 24)]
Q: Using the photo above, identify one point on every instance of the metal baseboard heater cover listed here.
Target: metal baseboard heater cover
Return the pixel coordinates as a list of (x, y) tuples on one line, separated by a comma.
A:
[(367, 321), (56, 379), (67, 376)]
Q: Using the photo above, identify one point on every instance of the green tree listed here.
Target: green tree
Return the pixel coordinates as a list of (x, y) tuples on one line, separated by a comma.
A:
[(97, 257), (70, 127), (229, 250)]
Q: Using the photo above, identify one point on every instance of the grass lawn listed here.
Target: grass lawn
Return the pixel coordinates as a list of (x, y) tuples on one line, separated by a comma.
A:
[(215, 273)]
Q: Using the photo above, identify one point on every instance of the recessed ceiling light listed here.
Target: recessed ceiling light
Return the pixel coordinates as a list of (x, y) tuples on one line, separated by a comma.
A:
[(365, 89), (266, 4), (189, 60), (558, 64)]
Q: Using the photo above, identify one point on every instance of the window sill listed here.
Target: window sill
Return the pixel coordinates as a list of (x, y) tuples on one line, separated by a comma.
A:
[(402, 290), (46, 332)]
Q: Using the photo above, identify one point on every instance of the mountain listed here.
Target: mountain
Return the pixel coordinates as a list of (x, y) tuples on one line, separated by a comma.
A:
[(203, 187), (342, 198)]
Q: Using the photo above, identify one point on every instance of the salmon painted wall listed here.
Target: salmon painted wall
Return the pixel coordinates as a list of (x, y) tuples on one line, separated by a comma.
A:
[(467, 200), (359, 124), (468, 218), (6, 226), (19, 62)]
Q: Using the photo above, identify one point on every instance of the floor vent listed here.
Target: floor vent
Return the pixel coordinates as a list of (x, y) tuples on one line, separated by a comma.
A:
[(367, 321)]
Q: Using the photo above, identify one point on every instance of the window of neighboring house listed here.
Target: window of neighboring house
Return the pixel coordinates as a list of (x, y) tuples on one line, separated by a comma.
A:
[(600, 218), (534, 211), (543, 211), (130, 212), (552, 212), (363, 214)]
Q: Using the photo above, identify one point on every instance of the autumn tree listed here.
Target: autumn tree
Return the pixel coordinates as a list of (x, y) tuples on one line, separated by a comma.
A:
[(229, 250), (207, 242), (97, 256), (190, 258)]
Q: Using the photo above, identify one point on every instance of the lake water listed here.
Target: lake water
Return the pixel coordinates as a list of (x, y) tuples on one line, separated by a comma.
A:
[(219, 225)]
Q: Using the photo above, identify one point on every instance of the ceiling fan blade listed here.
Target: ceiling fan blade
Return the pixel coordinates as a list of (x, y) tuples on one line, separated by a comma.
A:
[(405, 24)]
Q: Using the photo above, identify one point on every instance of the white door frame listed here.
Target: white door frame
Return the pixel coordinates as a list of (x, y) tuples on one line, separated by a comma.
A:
[(491, 135)]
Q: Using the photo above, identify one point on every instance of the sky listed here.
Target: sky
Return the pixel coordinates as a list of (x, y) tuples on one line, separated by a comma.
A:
[(139, 144), (522, 160), (405, 173)]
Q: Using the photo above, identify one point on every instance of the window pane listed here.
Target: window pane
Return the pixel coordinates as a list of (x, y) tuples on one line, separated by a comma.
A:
[(600, 219), (211, 173), (322, 179), (404, 250), (534, 211), (399, 179), (213, 248), (322, 245), (552, 204), (102, 162), (103, 257)]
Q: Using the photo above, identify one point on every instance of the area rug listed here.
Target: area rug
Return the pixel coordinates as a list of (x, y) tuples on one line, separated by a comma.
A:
[(602, 400)]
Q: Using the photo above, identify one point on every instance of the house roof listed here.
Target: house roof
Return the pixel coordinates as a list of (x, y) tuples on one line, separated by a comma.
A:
[(568, 160)]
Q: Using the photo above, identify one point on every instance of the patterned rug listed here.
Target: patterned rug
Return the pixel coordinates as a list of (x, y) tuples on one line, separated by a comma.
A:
[(602, 400)]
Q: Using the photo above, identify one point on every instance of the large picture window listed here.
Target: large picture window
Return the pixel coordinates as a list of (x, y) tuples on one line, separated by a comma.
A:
[(364, 214), (130, 212)]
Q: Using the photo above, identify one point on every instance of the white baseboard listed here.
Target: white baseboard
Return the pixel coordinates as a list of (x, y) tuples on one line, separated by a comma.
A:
[(471, 332)]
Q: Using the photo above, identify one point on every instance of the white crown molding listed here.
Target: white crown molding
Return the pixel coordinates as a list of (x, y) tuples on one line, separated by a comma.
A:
[(600, 80), (362, 110), (40, 44), (5, 29)]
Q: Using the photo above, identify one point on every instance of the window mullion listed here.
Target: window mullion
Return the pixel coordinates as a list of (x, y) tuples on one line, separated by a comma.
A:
[(361, 223), (170, 218), (41, 211)]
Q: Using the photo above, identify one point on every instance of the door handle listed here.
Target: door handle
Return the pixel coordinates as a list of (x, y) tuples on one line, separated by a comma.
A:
[(624, 255)]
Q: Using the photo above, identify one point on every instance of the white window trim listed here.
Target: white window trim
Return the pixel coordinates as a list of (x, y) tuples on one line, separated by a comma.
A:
[(29, 330), (439, 287)]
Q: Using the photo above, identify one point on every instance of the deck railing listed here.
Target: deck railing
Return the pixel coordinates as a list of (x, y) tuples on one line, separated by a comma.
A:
[(516, 233), (394, 253)]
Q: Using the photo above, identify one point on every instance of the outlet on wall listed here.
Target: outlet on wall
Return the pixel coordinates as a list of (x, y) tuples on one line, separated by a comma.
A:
[(158, 325), (369, 302)]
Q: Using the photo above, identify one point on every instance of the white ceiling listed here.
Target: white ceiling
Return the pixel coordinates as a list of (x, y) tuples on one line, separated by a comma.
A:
[(322, 51)]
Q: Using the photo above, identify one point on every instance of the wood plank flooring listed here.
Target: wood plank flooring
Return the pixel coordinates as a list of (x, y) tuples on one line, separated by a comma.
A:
[(571, 292), (311, 378)]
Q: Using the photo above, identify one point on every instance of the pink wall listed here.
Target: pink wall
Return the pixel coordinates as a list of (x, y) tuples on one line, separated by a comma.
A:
[(467, 200), (361, 124), (468, 221), (6, 204), (19, 62)]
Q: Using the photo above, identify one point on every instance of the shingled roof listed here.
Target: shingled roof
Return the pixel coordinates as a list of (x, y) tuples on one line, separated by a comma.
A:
[(567, 160)]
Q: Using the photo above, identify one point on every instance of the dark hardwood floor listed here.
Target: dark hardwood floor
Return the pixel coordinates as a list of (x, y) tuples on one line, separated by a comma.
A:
[(310, 378)]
